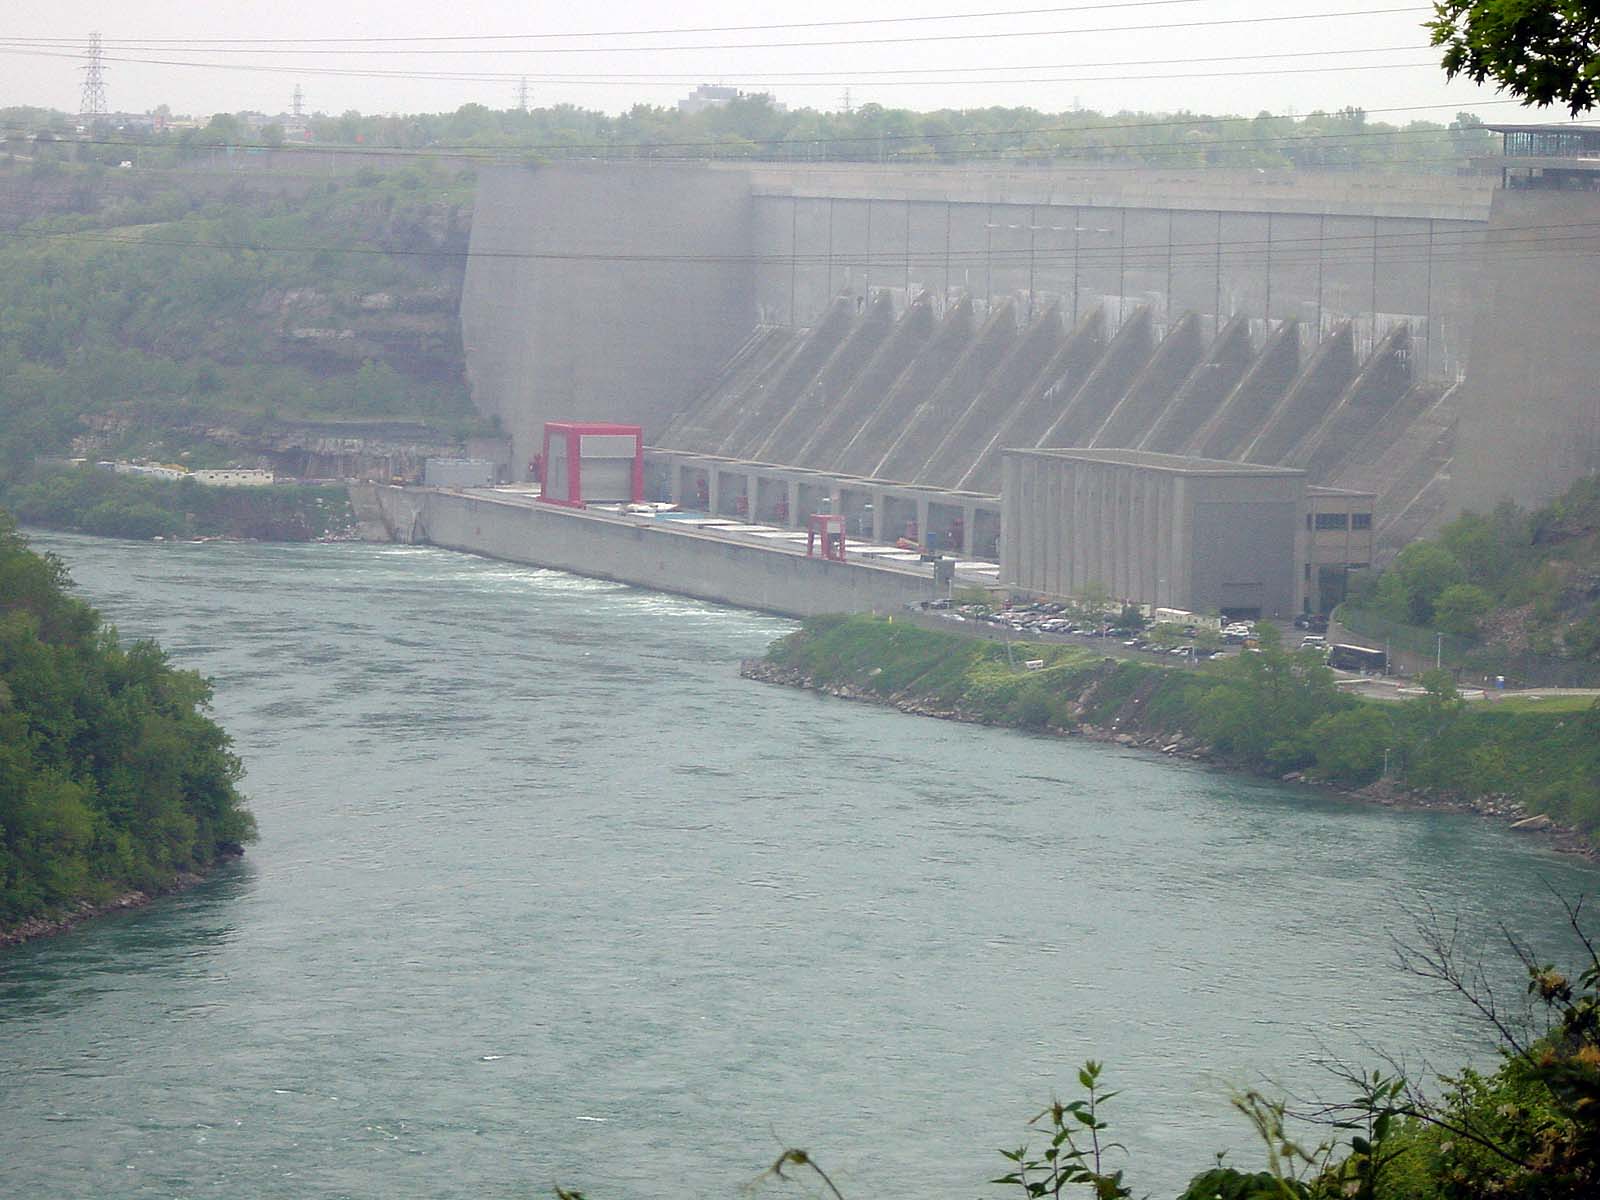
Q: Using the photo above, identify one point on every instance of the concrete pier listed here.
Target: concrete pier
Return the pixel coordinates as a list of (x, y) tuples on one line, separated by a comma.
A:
[(655, 554)]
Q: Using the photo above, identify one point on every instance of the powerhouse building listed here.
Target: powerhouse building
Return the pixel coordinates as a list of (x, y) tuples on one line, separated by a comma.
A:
[(1205, 535)]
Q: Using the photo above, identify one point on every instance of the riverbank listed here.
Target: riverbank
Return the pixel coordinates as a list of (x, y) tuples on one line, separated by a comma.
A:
[(64, 921), (1274, 715), (89, 500)]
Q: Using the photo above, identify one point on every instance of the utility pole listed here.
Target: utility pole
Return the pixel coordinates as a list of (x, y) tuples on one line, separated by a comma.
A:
[(93, 100), (522, 95)]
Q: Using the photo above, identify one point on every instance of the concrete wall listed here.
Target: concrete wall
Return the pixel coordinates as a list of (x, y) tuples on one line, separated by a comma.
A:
[(648, 554), (618, 290), (603, 291), (1317, 267), (1195, 540), (1530, 409)]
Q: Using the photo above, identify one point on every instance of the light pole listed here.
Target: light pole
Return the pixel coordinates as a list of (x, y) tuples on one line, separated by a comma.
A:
[(1438, 652)]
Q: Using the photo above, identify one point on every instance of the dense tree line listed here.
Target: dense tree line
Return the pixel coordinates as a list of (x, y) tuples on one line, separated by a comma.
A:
[(752, 126), (111, 775)]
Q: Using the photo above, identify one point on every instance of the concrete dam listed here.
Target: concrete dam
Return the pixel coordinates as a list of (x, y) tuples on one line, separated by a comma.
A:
[(889, 333), (933, 401)]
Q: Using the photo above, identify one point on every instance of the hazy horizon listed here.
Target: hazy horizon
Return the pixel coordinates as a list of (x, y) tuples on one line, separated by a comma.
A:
[(1181, 57)]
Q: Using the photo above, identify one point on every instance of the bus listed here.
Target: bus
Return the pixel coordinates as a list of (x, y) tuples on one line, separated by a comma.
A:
[(1358, 658)]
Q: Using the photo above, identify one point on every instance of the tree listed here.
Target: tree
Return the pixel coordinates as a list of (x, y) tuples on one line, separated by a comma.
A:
[(1544, 51), (1459, 607), (1420, 574)]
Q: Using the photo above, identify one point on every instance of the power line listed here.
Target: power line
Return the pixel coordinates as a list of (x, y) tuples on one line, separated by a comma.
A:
[(860, 73), (790, 79), (991, 35), (608, 81), (599, 33)]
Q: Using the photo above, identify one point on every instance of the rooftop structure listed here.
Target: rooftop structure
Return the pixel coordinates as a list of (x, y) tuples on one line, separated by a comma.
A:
[(1546, 156)]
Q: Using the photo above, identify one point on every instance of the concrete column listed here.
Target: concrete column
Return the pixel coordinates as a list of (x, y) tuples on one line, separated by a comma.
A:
[(792, 493), (969, 527), (878, 502), (713, 480), (675, 483), (922, 520), (752, 484)]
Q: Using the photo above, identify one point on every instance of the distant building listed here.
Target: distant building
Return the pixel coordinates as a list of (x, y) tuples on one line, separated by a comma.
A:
[(148, 470), (709, 95), (458, 472), (1563, 157), (233, 477)]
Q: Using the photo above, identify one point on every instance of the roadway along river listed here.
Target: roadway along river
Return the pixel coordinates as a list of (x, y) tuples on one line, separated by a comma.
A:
[(546, 893)]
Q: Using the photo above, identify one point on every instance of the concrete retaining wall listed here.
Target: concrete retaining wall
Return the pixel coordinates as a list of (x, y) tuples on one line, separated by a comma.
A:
[(651, 554)]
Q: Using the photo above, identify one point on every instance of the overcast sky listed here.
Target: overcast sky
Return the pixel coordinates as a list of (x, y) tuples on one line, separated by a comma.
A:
[(1172, 61)]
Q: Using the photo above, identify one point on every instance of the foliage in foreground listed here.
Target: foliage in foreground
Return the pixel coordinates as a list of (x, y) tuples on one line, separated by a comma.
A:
[(111, 776), (1542, 51), (1272, 712)]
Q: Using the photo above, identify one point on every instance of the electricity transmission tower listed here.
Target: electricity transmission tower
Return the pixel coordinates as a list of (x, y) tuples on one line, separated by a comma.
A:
[(298, 107), (522, 94), (93, 101)]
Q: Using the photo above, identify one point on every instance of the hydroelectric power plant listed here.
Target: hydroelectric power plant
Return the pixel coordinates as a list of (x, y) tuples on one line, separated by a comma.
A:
[(871, 341)]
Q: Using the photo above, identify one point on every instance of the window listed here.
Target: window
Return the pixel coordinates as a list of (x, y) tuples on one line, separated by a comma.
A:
[(1333, 521), (1360, 520)]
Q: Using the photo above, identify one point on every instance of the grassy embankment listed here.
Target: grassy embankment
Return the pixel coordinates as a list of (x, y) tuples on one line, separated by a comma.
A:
[(1273, 713)]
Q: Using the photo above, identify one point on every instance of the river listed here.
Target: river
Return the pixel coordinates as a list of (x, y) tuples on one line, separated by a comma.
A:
[(545, 893)]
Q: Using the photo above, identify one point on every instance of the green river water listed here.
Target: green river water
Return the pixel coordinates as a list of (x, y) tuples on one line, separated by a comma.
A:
[(546, 893)]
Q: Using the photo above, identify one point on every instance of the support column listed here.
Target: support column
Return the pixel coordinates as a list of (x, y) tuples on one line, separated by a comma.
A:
[(792, 494), (713, 479), (922, 521), (878, 503), (752, 484), (969, 525)]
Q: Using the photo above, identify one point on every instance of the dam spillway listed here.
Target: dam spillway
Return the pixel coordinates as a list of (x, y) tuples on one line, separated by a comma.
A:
[(918, 400)]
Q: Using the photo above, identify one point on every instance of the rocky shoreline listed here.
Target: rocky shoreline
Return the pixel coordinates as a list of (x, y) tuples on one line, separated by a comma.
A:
[(61, 922), (1386, 793)]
